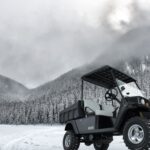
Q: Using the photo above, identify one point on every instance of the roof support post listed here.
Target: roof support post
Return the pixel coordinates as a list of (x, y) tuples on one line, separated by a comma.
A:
[(82, 90), (114, 78)]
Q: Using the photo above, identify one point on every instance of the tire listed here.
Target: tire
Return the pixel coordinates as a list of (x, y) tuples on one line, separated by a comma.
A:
[(100, 146), (71, 141), (136, 134)]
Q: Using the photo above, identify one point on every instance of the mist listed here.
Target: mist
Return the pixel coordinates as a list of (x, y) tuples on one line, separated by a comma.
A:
[(41, 40)]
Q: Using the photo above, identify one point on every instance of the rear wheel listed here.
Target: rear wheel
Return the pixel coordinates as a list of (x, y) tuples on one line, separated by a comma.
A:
[(71, 141), (136, 134)]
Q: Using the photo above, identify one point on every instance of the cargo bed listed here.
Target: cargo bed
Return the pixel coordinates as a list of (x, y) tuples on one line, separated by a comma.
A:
[(75, 111)]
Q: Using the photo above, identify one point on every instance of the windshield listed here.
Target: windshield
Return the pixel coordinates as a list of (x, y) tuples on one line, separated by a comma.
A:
[(130, 89)]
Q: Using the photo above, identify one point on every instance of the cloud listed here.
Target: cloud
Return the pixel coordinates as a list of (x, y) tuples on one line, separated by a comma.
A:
[(125, 15), (42, 39)]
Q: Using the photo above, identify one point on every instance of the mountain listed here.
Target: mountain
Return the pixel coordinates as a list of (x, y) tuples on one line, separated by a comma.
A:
[(11, 90), (130, 54)]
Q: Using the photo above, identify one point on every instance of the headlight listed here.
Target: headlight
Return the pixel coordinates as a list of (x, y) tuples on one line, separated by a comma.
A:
[(147, 104), (143, 101)]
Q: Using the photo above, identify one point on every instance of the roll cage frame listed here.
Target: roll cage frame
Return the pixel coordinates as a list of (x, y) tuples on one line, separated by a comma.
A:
[(95, 77)]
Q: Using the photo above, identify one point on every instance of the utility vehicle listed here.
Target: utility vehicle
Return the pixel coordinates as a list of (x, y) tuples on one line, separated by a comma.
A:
[(127, 114)]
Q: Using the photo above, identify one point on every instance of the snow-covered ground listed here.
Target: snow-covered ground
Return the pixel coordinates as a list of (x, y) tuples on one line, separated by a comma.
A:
[(40, 138)]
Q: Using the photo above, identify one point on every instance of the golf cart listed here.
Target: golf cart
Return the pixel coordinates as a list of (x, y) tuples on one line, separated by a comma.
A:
[(92, 123)]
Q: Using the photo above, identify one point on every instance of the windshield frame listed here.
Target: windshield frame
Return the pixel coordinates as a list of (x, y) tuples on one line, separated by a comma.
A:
[(126, 83), (123, 100)]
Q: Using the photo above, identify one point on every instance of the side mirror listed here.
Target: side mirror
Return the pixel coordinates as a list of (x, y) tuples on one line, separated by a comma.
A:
[(123, 88)]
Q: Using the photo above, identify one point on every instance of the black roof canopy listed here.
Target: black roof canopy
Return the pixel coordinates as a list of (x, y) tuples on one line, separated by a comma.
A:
[(105, 77)]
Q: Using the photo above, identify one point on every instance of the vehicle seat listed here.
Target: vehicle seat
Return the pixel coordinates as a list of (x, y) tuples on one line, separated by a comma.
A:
[(94, 106), (108, 110)]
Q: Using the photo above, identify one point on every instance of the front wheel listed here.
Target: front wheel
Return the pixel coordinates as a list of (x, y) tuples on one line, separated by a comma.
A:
[(136, 134), (71, 141)]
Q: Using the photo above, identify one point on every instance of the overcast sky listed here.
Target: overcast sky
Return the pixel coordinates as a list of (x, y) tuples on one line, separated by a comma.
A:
[(41, 39)]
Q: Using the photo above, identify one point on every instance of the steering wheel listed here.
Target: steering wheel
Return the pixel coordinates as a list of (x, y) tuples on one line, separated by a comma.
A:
[(111, 95)]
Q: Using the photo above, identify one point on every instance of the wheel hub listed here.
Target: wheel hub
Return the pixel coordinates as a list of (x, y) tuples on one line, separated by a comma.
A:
[(67, 141), (136, 134)]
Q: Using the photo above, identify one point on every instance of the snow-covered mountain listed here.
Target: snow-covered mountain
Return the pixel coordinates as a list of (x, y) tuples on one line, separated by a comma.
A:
[(11, 90), (130, 54)]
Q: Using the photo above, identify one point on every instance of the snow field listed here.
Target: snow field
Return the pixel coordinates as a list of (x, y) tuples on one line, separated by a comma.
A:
[(40, 137)]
